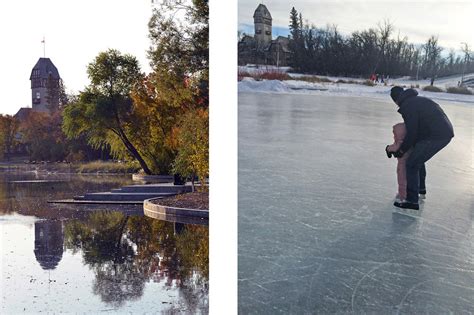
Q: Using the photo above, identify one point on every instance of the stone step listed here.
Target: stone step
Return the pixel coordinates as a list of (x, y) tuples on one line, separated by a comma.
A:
[(176, 189), (109, 196), (96, 202)]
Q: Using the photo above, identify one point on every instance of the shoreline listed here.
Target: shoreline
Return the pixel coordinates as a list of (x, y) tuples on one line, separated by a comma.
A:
[(340, 89), (63, 168)]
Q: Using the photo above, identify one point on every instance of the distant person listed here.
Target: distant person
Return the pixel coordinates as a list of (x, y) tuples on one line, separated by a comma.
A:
[(428, 130)]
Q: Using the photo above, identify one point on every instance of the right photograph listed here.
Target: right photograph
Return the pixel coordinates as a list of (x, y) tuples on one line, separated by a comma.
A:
[(355, 157)]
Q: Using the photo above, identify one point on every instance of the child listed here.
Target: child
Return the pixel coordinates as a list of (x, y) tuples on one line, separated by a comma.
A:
[(399, 132)]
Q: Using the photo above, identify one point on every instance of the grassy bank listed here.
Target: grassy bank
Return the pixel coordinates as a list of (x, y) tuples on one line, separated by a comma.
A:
[(94, 167), (105, 167)]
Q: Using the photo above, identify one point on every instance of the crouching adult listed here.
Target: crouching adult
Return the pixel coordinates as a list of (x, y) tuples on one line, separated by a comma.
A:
[(428, 131)]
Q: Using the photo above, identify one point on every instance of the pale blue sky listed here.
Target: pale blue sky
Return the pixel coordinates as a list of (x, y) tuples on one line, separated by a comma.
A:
[(75, 32), (450, 20)]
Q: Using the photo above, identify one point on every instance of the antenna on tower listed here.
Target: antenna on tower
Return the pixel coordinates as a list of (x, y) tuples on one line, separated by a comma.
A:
[(44, 47)]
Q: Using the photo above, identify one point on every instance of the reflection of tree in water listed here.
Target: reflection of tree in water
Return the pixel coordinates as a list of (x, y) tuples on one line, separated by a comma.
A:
[(194, 257), (6, 202), (117, 283), (49, 240), (126, 252)]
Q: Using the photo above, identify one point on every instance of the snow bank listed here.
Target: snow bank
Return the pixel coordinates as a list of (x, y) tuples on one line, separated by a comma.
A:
[(344, 89), (252, 69), (250, 85)]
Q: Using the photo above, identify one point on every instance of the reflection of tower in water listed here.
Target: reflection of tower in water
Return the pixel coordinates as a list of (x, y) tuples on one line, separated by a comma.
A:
[(49, 241)]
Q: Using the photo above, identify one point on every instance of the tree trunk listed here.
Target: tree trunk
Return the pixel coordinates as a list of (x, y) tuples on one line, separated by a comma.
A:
[(131, 148), (119, 237)]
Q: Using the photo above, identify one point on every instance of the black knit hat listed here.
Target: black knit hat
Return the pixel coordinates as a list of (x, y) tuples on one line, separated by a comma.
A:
[(395, 93)]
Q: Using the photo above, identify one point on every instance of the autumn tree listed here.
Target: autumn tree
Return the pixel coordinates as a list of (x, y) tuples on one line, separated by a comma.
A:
[(43, 138), (178, 83), (192, 145), (104, 112), (56, 96), (8, 132)]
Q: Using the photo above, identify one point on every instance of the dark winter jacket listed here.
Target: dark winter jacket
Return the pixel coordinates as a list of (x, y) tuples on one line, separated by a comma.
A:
[(424, 119)]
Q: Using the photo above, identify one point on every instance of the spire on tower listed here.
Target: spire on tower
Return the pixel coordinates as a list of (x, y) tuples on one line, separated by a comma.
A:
[(44, 47)]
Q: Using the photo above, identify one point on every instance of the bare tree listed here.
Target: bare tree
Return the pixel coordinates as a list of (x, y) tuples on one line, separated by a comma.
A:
[(432, 57), (467, 55)]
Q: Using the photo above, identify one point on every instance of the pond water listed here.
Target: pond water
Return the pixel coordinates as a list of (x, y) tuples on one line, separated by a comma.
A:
[(318, 233), (89, 259)]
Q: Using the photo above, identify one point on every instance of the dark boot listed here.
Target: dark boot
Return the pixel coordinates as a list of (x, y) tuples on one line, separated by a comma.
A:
[(407, 205)]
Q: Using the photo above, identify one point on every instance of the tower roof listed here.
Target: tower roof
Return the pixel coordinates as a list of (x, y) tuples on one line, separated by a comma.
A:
[(262, 11), (45, 67)]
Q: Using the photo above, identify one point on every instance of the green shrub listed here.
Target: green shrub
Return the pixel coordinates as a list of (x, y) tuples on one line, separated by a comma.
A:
[(432, 88), (459, 90)]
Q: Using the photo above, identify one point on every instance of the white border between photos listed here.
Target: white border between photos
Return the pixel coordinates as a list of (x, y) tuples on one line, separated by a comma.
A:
[(223, 157)]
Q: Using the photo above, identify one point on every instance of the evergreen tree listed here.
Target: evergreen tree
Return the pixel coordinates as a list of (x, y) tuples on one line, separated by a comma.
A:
[(294, 24), (297, 45)]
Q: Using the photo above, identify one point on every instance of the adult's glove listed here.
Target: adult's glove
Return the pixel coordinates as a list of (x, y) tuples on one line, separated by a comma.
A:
[(398, 154), (389, 154)]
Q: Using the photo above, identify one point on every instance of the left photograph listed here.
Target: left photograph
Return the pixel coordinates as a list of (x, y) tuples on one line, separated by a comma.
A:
[(104, 157)]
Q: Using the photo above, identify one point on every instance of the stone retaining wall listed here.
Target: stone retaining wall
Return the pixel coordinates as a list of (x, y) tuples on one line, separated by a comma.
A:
[(174, 214)]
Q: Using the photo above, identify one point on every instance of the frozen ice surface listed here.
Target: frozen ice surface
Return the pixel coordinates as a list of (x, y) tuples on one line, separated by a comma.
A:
[(317, 229)]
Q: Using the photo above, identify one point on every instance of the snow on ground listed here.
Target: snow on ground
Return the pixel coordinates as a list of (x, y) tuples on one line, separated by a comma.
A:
[(250, 85), (253, 69), (346, 89)]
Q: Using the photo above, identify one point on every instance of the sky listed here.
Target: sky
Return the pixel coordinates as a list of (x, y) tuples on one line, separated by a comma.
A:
[(75, 33), (450, 20)]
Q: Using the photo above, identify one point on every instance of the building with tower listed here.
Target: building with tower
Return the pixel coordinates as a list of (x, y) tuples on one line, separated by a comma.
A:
[(49, 243), (262, 48), (262, 20), (45, 84), (45, 89)]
